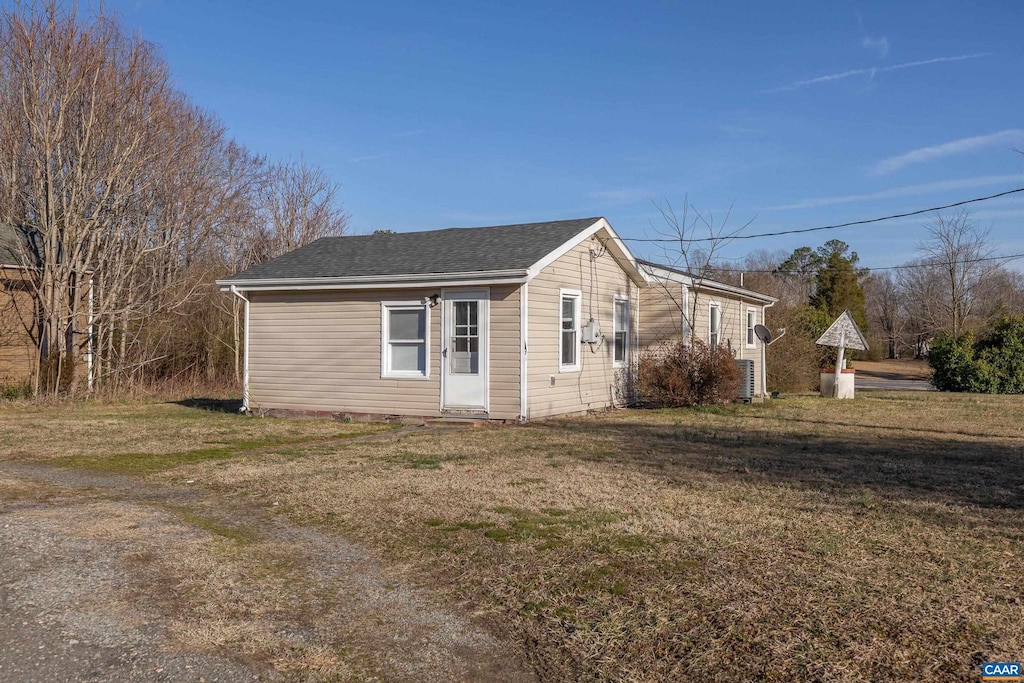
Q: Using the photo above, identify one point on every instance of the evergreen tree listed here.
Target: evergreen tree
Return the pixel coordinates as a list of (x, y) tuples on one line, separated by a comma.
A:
[(838, 283)]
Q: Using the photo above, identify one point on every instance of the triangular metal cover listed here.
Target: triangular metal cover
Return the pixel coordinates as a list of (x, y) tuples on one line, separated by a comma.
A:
[(844, 332)]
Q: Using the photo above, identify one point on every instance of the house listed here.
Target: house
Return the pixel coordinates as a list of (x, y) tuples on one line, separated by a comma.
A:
[(20, 265), (506, 322), (678, 305), (17, 260)]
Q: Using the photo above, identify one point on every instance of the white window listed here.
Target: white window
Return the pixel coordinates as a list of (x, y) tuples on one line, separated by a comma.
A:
[(714, 324), (569, 330), (620, 328), (751, 322), (404, 349)]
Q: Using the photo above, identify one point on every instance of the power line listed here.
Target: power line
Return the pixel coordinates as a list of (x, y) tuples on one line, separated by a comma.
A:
[(824, 227), (932, 264)]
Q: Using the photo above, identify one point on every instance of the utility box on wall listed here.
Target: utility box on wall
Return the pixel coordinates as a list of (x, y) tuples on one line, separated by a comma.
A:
[(591, 332)]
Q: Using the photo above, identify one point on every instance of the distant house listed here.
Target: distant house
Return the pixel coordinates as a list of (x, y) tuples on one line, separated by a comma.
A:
[(18, 257), (507, 322), (20, 261)]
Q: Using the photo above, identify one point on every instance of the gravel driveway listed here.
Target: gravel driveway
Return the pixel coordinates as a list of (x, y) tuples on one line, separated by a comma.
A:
[(98, 582)]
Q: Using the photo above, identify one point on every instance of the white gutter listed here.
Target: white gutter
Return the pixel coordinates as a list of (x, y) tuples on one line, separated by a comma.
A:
[(406, 281), (634, 360), (674, 276), (524, 335), (245, 358)]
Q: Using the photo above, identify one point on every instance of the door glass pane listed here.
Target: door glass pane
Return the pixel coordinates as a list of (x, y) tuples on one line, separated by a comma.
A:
[(407, 324), (465, 347)]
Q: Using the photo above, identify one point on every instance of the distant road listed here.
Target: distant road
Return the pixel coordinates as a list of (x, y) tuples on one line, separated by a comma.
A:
[(893, 375), (877, 383)]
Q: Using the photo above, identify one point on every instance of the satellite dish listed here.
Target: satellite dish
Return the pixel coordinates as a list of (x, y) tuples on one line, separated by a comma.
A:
[(763, 333)]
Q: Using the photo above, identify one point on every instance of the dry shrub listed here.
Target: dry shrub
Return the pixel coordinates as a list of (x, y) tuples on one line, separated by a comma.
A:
[(794, 359), (691, 374)]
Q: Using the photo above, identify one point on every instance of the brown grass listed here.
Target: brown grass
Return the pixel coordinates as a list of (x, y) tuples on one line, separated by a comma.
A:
[(35, 431), (804, 539)]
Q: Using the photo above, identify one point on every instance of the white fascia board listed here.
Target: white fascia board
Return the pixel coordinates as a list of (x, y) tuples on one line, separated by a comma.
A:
[(660, 275), (625, 258), (494, 277)]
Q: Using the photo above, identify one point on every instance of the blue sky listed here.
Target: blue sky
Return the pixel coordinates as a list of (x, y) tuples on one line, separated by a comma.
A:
[(798, 114)]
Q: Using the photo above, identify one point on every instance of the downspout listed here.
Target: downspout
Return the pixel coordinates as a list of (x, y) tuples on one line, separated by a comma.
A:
[(764, 353), (245, 351), (524, 335), (634, 359)]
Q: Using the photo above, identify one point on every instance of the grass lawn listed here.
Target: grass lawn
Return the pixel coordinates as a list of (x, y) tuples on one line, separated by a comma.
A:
[(804, 539)]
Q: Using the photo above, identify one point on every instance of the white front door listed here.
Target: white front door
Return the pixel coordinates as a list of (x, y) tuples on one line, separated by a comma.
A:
[(464, 351)]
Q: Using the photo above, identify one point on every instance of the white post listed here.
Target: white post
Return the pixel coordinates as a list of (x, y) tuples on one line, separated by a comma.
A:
[(840, 362), (764, 370)]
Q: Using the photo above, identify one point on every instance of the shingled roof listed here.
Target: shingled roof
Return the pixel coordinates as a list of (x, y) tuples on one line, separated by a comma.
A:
[(19, 246), (453, 250)]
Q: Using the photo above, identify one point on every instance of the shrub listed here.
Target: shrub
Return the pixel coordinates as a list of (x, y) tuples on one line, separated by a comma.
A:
[(13, 391), (688, 375), (992, 365), (794, 360), (1002, 352)]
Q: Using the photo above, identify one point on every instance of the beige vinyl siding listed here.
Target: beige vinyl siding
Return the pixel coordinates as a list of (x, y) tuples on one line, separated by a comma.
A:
[(597, 384), (321, 350), (661, 315), (661, 321), (504, 353)]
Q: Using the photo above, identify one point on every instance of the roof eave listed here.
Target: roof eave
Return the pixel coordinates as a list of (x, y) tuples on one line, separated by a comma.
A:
[(402, 281), (659, 272)]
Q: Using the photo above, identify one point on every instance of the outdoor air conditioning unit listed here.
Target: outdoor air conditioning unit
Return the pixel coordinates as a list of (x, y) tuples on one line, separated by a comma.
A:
[(747, 380)]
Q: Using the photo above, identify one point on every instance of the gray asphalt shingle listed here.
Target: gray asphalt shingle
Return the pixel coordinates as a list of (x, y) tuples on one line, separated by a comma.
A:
[(453, 250), (19, 246)]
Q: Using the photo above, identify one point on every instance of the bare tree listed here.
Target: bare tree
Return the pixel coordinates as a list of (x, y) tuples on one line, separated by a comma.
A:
[(957, 261), (301, 205), (136, 201), (886, 310), (691, 242)]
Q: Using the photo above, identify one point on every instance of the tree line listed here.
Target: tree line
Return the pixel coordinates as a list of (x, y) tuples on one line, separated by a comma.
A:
[(956, 284), (131, 200)]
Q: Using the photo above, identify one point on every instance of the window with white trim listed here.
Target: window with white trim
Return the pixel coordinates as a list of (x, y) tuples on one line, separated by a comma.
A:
[(404, 328), (569, 330), (751, 322), (620, 329), (714, 325)]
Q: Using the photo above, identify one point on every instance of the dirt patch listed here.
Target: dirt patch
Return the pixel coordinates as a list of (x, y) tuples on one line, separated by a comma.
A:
[(197, 576)]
